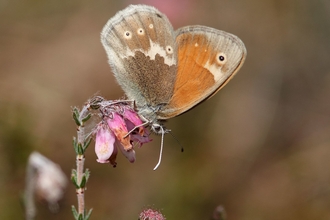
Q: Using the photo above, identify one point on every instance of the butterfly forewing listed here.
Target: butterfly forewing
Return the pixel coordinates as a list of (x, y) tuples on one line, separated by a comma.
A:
[(207, 60), (140, 43)]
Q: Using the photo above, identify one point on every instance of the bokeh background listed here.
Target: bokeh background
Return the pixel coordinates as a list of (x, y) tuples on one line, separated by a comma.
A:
[(260, 147)]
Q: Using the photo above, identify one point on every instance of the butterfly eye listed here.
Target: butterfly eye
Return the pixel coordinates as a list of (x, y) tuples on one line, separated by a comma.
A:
[(221, 58), (140, 31), (169, 49), (128, 35)]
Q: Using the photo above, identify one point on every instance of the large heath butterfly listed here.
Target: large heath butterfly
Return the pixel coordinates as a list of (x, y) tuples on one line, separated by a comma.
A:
[(167, 72)]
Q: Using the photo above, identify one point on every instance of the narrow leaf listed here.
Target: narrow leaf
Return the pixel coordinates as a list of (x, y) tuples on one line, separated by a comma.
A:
[(75, 115), (80, 149), (87, 142), (74, 178), (87, 174), (83, 181), (75, 144), (88, 214), (74, 212), (86, 118)]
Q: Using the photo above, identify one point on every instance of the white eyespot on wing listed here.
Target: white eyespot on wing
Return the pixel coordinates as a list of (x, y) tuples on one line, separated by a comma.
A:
[(169, 49), (140, 31), (221, 58), (127, 35), (157, 49)]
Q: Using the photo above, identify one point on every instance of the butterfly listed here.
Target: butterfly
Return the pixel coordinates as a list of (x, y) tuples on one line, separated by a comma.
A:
[(167, 72)]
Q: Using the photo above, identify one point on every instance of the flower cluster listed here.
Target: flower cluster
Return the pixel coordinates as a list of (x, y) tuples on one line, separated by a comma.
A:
[(121, 127), (151, 214)]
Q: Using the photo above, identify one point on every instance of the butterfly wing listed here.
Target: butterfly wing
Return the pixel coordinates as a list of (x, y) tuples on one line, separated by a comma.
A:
[(140, 44), (207, 60)]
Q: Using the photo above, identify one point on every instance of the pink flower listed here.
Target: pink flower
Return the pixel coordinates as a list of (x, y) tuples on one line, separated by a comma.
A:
[(141, 137), (131, 116), (119, 129), (150, 214), (133, 121), (118, 126), (104, 143)]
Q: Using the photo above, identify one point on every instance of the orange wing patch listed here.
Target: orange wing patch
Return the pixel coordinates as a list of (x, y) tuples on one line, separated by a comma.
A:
[(192, 77)]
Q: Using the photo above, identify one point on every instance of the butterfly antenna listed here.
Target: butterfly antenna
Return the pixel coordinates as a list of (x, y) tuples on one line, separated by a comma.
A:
[(161, 149), (182, 149)]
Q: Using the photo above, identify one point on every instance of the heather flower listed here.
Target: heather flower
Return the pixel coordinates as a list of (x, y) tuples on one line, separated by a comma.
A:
[(150, 214), (104, 143), (140, 137), (118, 126), (131, 116), (119, 129)]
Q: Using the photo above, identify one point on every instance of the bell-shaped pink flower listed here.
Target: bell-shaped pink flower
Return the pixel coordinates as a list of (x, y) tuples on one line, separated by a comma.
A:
[(104, 143), (135, 119), (118, 126)]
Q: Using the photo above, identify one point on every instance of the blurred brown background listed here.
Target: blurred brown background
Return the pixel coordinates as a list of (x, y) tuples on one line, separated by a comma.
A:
[(260, 147)]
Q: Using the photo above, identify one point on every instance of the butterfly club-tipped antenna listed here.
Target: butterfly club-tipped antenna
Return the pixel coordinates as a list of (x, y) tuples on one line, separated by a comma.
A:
[(163, 131), (182, 149)]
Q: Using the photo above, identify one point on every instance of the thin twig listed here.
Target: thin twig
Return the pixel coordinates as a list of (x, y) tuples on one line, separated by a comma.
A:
[(80, 176)]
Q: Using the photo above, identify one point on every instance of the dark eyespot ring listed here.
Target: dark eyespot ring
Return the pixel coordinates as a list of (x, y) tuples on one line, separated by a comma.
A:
[(169, 49), (140, 31), (127, 35), (221, 58)]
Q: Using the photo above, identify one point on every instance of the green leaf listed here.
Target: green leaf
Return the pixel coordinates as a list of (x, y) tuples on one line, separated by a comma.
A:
[(83, 181), (87, 142), (74, 178), (74, 212), (80, 217), (86, 118), (75, 115), (88, 214), (74, 172), (75, 144), (80, 149), (87, 174)]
